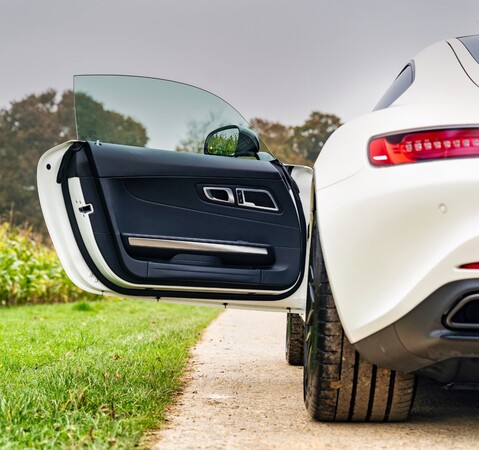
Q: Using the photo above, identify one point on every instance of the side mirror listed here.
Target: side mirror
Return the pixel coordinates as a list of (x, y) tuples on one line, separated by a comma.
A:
[(232, 140)]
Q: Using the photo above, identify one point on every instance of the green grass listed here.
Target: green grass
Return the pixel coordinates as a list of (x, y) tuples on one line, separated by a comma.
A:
[(91, 375), (30, 271)]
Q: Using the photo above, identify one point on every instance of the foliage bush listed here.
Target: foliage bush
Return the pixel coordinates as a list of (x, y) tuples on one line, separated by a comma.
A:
[(30, 271)]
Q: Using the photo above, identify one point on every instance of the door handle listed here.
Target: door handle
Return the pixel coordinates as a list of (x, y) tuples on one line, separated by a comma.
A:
[(256, 198), (219, 194)]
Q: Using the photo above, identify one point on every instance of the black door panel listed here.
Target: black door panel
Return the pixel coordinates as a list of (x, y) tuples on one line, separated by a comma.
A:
[(189, 193), (150, 208), (111, 160), (189, 217)]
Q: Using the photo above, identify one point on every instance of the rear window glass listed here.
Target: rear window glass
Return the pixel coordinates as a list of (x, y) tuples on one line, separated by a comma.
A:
[(472, 44), (399, 86)]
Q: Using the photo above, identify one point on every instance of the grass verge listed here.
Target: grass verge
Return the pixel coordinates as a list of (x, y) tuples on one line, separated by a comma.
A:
[(91, 375)]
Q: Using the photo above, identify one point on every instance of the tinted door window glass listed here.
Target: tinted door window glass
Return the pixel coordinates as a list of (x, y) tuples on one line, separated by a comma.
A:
[(149, 112)]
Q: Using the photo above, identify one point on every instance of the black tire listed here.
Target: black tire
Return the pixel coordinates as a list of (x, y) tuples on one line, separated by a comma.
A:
[(339, 384), (294, 339)]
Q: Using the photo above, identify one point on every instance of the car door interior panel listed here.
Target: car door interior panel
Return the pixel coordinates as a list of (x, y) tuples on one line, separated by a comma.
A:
[(168, 218)]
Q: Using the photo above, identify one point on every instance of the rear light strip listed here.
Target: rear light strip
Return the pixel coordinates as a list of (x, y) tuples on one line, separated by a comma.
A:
[(424, 145), (470, 266)]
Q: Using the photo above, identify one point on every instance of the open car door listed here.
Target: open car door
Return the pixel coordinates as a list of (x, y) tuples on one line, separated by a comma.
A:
[(157, 199)]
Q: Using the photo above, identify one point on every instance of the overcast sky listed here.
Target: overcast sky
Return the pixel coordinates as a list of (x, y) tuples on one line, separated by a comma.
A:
[(273, 59)]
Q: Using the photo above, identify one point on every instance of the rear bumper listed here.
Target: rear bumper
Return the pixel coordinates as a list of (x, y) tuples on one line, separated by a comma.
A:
[(424, 342)]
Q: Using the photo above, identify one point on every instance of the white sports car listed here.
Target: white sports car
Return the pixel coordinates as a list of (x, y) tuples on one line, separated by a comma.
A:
[(168, 194)]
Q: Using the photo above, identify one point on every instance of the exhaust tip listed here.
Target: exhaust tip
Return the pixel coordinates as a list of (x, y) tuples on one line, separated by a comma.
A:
[(465, 315)]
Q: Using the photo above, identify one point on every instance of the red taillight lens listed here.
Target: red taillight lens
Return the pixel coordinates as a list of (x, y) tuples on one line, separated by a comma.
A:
[(471, 266), (424, 145)]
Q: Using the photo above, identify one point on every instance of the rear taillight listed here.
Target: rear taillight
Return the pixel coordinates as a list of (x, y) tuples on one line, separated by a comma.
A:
[(424, 145), (470, 266)]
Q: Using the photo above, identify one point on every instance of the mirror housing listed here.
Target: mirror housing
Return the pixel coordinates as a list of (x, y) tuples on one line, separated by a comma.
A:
[(232, 140)]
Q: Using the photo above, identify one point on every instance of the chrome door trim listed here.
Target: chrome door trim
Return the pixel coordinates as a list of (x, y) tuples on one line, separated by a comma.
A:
[(195, 246)]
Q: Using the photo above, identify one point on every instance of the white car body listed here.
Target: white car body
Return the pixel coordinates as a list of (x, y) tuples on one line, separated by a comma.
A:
[(400, 242), (393, 235)]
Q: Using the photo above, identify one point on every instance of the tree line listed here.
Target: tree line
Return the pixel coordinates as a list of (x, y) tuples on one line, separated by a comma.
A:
[(31, 126)]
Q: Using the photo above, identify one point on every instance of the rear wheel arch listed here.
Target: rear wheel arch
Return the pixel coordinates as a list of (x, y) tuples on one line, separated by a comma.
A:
[(340, 385)]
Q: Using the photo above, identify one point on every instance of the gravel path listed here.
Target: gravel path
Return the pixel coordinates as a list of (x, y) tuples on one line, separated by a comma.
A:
[(241, 394)]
